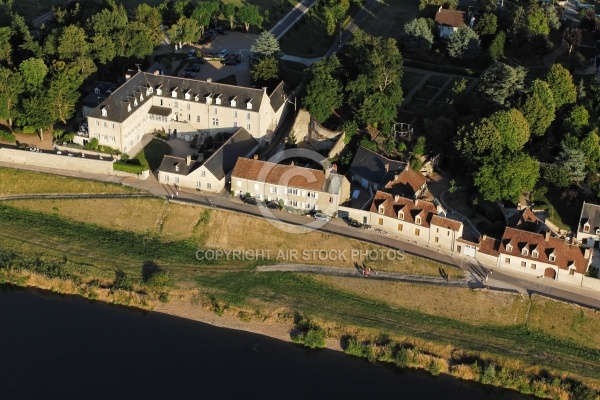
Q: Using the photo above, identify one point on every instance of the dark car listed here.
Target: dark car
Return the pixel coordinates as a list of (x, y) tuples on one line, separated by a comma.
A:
[(354, 223), (220, 30), (250, 200), (230, 61), (273, 205)]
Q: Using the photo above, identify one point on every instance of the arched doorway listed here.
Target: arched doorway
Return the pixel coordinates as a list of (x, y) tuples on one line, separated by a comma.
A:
[(550, 273)]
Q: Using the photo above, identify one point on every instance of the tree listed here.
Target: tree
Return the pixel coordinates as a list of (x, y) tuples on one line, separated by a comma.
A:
[(72, 43), (572, 162), (335, 12), (464, 44), (451, 4), (417, 36), (204, 12), (266, 45), (249, 15), (11, 87), (496, 49), (576, 119), (103, 49), (478, 141), (63, 91), (561, 84), (551, 16), (36, 113), (265, 69), (507, 178), (499, 82), (150, 18), (6, 34), (590, 146), (572, 38), (537, 23), (34, 72), (513, 128), (487, 24), (229, 11), (538, 108), (186, 30), (488, 6), (324, 89), (588, 20)]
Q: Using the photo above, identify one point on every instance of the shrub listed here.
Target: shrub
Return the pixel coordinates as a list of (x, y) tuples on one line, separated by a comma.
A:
[(131, 168), (122, 281), (354, 348), (369, 144), (308, 333), (28, 129), (7, 137)]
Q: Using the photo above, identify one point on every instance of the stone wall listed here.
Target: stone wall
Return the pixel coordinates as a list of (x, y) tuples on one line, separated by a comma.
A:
[(52, 160)]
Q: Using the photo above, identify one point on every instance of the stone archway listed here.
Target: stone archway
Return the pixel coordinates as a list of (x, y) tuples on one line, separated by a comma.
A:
[(550, 273)]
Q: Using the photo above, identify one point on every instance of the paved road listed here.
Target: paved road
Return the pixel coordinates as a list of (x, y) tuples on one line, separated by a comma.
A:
[(291, 18), (500, 279)]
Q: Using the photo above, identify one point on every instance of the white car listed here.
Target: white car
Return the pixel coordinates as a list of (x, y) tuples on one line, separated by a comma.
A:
[(223, 53), (321, 217)]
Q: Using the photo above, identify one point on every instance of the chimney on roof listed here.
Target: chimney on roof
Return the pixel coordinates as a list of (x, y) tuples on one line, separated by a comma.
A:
[(265, 89), (208, 80), (484, 236), (519, 206), (256, 156), (387, 167), (396, 198), (587, 253), (440, 10), (547, 235), (292, 163), (396, 177), (188, 160), (156, 72), (334, 167), (416, 202), (177, 167)]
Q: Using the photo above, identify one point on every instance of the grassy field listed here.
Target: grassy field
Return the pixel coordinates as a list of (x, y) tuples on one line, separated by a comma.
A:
[(14, 181), (389, 16), (153, 153)]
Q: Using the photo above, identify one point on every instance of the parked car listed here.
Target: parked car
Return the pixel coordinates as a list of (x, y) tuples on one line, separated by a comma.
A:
[(354, 223), (321, 217), (220, 30), (223, 53), (273, 205), (230, 61), (250, 200)]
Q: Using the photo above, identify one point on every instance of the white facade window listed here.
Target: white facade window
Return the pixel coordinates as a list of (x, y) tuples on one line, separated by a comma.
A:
[(189, 117), (104, 124), (161, 102), (218, 100), (292, 191), (176, 179), (418, 220), (247, 115), (209, 185), (198, 118), (552, 257), (273, 189), (112, 125), (176, 104), (248, 127), (235, 114), (188, 106), (235, 124), (203, 174), (187, 97), (166, 178), (198, 184), (293, 203), (400, 215), (381, 210), (104, 112), (215, 111), (97, 123), (215, 122), (233, 103), (312, 195), (209, 100), (105, 138), (112, 139), (249, 105)]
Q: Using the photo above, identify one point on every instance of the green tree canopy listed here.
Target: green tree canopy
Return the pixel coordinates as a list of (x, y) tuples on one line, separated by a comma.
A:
[(335, 12), (11, 87), (266, 45), (537, 22), (265, 69), (185, 30), (464, 44), (500, 82), (72, 43), (417, 36), (6, 34), (249, 15), (496, 49), (229, 11), (572, 162), (513, 128), (561, 84), (151, 19), (324, 89), (508, 177), (576, 119), (538, 108), (34, 72), (487, 24), (478, 141)]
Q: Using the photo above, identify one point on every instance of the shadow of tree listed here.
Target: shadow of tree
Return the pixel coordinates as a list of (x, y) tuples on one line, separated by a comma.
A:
[(149, 269)]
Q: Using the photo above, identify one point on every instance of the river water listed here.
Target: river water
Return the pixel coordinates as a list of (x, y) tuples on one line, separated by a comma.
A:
[(63, 347)]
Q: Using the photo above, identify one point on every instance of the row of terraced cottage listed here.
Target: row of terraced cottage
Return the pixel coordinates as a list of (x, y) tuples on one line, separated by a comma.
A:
[(386, 194)]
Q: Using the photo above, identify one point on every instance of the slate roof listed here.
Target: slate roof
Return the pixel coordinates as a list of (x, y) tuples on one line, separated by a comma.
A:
[(406, 183), (158, 67), (222, 161), (446, 223), (279, 95), (452, 18), (371, 166), (170, 163), (104, 90), (590, 213), (566, 254), (392, 204), (278, 174), (135, 88)]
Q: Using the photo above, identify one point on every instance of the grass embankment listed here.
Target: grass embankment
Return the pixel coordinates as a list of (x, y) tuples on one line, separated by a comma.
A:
[(15, 181), (447, 333)]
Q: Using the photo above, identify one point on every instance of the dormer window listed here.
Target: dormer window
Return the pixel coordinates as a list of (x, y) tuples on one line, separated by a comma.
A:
[(509, 248), (418, 220), (129, 107), (400, 214), (174, 93), (381, 209), (105, 111), (208, 99), (177, 167), (187, 95), (249, 105), (552, 257), (97, 90), (196, 98), (218, 99), (598, 231), (141, 97), (525, 252), (233, 103), (135, 103), (534, 254), (150, 90), (586, 227), (159, 91)]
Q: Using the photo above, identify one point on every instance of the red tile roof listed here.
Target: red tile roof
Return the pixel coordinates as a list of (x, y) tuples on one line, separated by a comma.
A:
[(446, 223), (566, 254), (489, 246), (411, 208), (277, 174), (406, 182), (451, 18)]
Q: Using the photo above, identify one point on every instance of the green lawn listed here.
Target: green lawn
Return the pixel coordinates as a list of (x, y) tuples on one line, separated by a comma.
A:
[(308, 37), (389, 16), (152, 155)]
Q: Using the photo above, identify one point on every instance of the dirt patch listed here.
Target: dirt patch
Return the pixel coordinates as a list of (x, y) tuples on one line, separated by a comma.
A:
[(180, 220), (466, 305), (32, 139)]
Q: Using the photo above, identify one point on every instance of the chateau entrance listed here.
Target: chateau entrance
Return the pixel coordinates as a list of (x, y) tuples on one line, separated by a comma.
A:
[(550, 273)]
